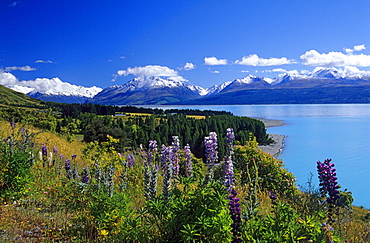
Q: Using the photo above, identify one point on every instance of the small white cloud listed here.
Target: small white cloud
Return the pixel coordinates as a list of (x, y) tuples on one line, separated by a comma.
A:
[(359, 47), (15, 3), (279, 70), (188, 66), (334, 59), (150, 71), (255, 60), (23, 68), (43, 61), (355, 48), (215, 71), (244, 71), (122, 57), (212, 61)]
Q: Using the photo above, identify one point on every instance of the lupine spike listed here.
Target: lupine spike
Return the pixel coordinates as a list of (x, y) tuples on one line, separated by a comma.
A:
[(188, 163), (328, 185)]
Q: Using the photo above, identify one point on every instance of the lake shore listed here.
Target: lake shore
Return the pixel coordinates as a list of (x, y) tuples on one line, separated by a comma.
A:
[(275, 148)]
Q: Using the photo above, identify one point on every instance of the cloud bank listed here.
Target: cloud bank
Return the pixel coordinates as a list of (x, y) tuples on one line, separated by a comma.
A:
[(334, 59), (255, 60), (212, 61), (150, 71), (53, 86)]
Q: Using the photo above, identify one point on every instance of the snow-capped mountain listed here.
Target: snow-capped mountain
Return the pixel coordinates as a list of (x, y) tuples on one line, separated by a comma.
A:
[(153, 90)]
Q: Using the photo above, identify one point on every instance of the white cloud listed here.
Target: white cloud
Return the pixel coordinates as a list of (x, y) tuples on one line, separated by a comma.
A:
[(44, 61), (215, 71), (255, 60), (188, 66), (7, 79), (334, 59), (279, 70), (151, 71), (212, 61), (359, 47), (23, 68), (355, 48), (53, 86), (15, 3)]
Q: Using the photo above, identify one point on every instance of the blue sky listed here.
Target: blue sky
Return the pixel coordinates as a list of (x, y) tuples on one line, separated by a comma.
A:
[(107, 42)]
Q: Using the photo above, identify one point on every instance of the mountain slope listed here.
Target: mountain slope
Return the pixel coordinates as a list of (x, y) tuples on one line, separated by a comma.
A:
[(10, 97)]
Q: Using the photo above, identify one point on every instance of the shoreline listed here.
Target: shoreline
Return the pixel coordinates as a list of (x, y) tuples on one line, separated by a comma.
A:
[(277, 147)]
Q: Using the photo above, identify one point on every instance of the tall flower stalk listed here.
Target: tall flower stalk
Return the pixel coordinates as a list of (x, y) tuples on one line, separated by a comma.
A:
[(188, 163), (211, 146), (329, 186), (175, 156), (150, 172), (167, 168), (228, 164)]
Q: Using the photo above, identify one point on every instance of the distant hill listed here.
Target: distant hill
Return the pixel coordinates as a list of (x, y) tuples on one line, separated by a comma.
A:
[(10, 97)]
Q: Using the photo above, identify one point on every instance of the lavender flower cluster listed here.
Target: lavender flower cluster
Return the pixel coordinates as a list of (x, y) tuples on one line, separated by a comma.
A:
[(235, 215), (229, 167), (328, 185)]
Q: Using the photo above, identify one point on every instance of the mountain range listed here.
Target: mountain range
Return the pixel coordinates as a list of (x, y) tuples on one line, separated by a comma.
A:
[(323, 85)]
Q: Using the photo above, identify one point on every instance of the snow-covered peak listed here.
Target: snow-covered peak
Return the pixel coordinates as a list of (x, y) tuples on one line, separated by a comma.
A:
[(246, 80), (347, 72), (217, 88), (325, 73), (156, 82)]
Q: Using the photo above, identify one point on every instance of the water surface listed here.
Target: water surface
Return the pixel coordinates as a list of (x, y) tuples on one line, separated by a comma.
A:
[(317, 132)]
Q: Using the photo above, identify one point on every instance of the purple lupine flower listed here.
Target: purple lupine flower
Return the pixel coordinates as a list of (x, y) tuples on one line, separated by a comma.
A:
[(175, 156), (68, 165), (164, 157), (152, 149), (188, 164), (130, 160), (74, 156), (44, 151), (235, 215), (229, 174), (211, 149), (228, 164), (167, 171), (328, 185), (230, 137), (61, 156), (13, 125), (85, 175), (273, 197), (55, 150)]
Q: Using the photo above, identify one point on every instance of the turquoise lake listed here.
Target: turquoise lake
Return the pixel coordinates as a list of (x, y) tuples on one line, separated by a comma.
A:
[(317, 132)]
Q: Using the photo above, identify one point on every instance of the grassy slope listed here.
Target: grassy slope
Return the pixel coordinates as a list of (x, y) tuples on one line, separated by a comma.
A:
[(10, 97)]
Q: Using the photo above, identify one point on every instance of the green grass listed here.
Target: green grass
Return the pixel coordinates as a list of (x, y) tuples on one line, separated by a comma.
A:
[(10, 97)]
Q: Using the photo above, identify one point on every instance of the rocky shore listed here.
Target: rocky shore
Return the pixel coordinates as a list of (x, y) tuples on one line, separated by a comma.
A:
[(276, 147)]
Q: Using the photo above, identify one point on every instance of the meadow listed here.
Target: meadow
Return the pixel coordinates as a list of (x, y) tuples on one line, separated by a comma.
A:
[(55, 189)]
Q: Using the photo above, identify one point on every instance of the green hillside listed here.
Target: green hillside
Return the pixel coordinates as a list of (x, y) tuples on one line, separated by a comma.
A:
[(10, 97)]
